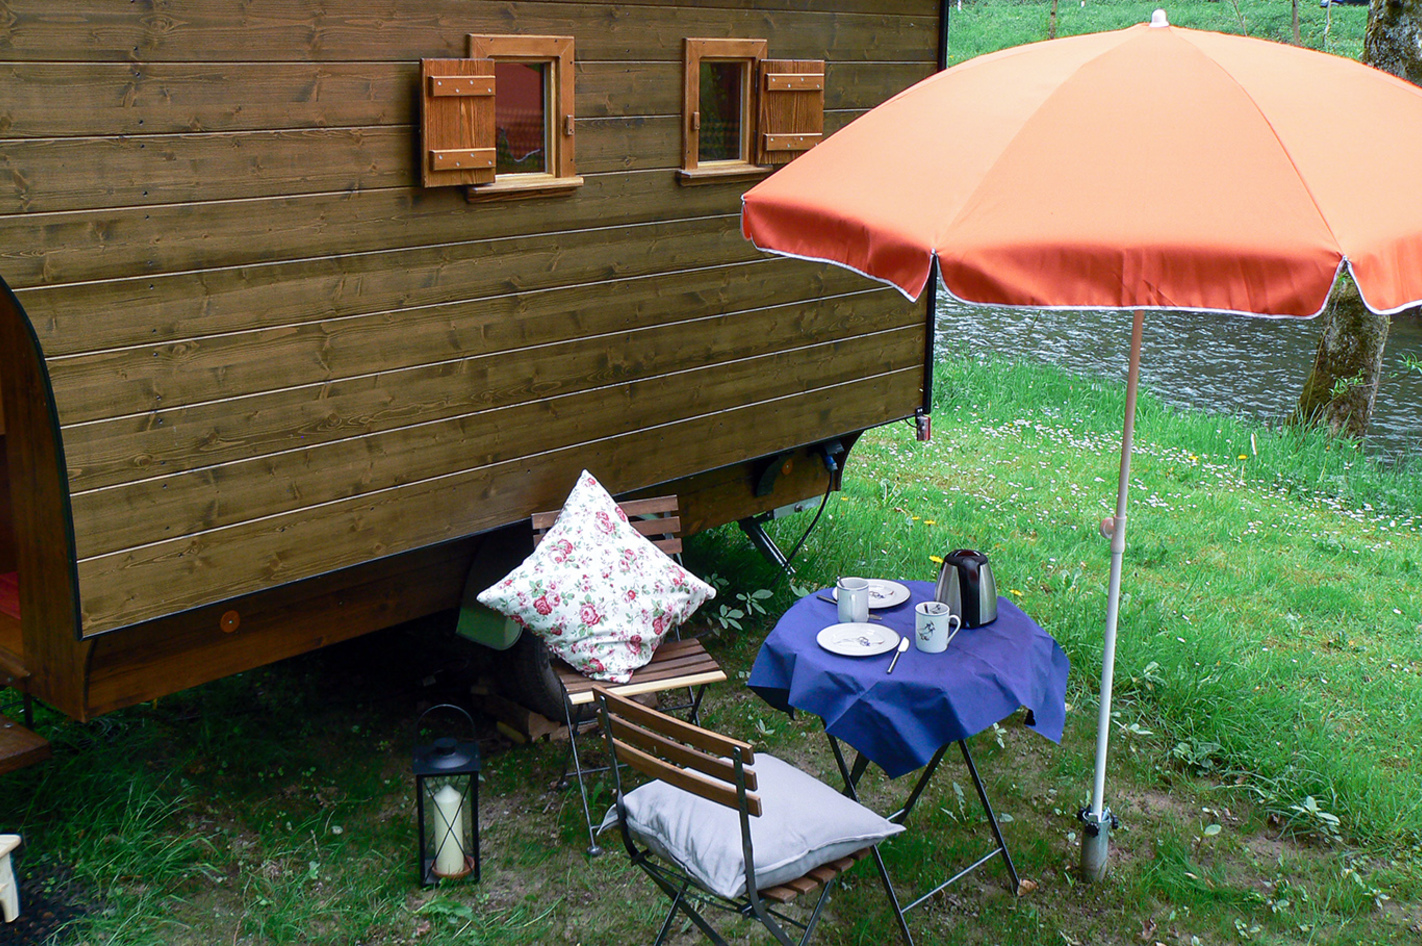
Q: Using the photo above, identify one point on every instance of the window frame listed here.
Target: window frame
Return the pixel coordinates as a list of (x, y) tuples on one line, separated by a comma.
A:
[(698, 50), (557, 52)]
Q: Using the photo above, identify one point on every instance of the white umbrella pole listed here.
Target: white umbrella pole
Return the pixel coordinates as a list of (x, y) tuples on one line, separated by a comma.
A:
[(1095, 841)]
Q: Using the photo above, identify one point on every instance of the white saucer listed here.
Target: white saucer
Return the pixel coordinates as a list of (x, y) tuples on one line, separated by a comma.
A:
[(882, 593), (857, 640)]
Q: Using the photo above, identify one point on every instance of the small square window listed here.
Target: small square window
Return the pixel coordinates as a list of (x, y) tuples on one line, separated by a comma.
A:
[(743, 112), (500, 123)]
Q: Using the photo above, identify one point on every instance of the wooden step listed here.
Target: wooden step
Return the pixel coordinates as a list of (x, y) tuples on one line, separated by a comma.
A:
[(19, 747)]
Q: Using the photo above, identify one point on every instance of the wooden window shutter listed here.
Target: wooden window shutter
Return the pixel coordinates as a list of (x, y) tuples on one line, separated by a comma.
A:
[(792, 108), (457, 118)]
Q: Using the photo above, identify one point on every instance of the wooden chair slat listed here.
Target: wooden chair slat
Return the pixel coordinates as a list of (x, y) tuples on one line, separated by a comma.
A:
[(784, 893), (655, 686), (655, 518), (651, 506), (778, 894), (671, 727), (678, 754), (676, 664), (711, 789)]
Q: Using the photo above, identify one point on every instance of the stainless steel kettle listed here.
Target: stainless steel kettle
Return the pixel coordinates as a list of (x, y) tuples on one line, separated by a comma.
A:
[(966, 585)]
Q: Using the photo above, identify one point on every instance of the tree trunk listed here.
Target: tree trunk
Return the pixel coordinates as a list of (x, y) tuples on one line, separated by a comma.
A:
[(1341, 389), (1393, 40), (1343, 385)]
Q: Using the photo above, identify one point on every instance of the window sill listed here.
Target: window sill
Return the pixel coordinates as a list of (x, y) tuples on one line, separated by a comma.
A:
[(718, 175), (519, 188)]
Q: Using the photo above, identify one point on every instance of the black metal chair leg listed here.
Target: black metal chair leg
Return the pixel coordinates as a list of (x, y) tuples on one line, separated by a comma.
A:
[(593, 849), (679, 902), (893, 896)]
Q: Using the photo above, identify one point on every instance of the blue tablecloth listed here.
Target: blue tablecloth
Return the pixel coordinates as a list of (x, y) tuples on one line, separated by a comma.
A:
[(900, 720)]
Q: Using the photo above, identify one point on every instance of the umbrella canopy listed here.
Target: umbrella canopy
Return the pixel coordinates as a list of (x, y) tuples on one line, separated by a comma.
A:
[(1147, 168), (1142, 168)]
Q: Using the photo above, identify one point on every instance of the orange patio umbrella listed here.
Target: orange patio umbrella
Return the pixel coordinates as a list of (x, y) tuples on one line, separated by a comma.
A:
[(1148, 168)]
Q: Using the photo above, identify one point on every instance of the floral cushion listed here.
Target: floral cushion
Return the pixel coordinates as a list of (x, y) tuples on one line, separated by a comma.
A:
[(599, 594)]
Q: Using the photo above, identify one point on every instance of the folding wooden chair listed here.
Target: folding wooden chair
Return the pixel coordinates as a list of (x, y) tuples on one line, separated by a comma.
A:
[(677, 664), (711, 831)]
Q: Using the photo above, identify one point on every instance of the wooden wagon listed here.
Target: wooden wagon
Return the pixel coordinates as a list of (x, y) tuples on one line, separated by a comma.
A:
[(312, 299)]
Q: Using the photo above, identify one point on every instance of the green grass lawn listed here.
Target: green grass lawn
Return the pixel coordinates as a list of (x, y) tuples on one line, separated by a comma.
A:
[(1270, 648)]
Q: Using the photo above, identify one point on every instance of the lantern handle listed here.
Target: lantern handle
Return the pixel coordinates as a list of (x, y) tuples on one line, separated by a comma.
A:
[(446, 706)]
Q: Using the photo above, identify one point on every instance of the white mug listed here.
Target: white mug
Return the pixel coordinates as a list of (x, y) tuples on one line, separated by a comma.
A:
[(934, 626), (853, 597)]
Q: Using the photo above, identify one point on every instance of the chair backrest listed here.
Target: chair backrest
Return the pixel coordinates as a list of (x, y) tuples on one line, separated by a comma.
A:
[(656, 518), (689, 757)]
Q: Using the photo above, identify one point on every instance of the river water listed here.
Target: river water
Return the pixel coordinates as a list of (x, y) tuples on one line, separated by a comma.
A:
[(1246, 366)]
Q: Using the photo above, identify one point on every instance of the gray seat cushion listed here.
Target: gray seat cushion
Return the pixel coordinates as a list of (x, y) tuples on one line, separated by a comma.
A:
[(805, 824)]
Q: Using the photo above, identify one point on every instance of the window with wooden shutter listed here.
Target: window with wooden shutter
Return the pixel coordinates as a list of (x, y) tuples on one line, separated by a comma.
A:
[(743, 113), (501, 122), (792, 108)]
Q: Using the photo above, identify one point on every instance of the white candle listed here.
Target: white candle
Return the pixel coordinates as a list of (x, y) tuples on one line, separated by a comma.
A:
[(449, 832)]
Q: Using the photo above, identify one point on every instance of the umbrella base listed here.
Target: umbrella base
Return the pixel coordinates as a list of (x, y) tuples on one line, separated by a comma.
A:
[(1096, 843)]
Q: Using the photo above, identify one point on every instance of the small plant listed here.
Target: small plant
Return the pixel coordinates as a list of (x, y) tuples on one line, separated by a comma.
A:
[(1343, 385), (1314, 819), (961, 815), (751, 600), (1209, 831), (1199, 756), (1373, 893), (728, 617), (1244, 929)]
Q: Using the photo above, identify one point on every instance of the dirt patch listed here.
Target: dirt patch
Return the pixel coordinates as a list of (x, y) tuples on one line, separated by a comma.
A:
[(49, 902)]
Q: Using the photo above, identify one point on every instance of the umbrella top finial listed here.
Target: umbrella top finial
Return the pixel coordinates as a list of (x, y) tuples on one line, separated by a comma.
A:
[(1158, 19)]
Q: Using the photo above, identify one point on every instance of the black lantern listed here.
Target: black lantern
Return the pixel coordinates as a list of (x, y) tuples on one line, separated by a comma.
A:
[(447, 803)]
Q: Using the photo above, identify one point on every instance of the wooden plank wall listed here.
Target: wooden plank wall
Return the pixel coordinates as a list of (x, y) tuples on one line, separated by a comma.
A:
[(274, 355)]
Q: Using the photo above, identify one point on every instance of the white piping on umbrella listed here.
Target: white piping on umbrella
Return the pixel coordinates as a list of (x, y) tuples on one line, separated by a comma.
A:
[(933, 257), (1343, 263)]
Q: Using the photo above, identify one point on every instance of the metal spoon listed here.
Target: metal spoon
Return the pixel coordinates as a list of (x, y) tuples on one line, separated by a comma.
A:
[(903, 646)]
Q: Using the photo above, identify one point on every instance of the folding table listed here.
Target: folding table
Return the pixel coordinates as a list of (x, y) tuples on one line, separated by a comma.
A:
[(906, 720)]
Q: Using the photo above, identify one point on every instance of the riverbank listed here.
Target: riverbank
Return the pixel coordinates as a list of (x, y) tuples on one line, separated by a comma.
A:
[(1270, 653), (1227, 364)]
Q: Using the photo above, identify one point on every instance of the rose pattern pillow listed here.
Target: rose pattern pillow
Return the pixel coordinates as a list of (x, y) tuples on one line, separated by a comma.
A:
[(598, 593)]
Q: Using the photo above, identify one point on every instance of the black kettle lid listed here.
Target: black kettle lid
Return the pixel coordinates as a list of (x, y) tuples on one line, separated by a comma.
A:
[(964, 556)]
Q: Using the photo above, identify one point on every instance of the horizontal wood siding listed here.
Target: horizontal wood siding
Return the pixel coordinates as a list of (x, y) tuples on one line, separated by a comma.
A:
[(194, 98), (274, 355), (378, 30)]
